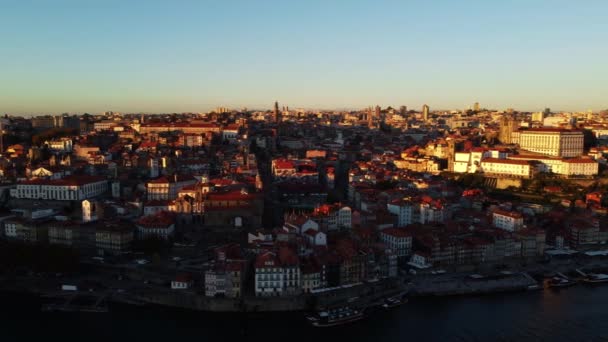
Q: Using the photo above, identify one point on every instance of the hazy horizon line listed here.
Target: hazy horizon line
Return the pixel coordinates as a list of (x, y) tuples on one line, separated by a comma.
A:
[(55, 113)]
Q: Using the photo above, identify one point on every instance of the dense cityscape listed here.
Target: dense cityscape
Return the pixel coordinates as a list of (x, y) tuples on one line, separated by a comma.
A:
[(300, 210), (287, 170)]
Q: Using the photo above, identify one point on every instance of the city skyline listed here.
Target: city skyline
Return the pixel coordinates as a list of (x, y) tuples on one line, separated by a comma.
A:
[(69, 57)]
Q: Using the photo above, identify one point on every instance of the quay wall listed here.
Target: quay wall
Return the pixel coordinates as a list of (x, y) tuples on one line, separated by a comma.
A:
[(443, 286)]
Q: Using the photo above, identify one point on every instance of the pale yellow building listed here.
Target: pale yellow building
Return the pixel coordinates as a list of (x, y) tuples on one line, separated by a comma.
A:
[(509, 168), (552, 141)]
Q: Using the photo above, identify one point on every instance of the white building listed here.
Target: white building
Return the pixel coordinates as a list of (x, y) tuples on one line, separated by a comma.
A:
[(60, 145), (580, 167), (269, 275), (420, 260), (215, 282), (508, 220), (181, 282), (410, 211), (470, 162), (431, 212), (404, 209), (562, 166), (230, 133), (333, 217), (315, 237), (552, 141), (398, 240), (70, 188), (344, 218), (509, 167), (10, 229), (53, 173), (104, 125), (277, 275), (161, 225), (167, 188), (311, 279), (301, 224)]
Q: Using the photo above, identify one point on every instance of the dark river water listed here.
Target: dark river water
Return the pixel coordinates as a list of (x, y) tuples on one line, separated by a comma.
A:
[(574, 314)]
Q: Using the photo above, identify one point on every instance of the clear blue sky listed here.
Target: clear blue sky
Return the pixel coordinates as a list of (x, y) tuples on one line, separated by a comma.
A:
[(165, 56)]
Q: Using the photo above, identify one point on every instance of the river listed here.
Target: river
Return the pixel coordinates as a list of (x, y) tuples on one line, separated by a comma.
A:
[(573, 314)]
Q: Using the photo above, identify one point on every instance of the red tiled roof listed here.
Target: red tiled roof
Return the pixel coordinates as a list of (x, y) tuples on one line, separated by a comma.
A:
[(506, 161), (549, 130), (288, 257), (182, 124), (532, 157), (167, 180), (148, 144), (231, 127), (284, 164), (72, 180), (513, 214), (232, 195), (162, 219), (183, 278), (396, 232), (266, 257), (580, 161), (221, 181)]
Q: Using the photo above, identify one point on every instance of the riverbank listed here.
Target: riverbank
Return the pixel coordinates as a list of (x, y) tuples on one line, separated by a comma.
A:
[(137, 292), (576, 313)]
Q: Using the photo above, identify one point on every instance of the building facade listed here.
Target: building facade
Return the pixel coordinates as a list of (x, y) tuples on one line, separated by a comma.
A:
[(553, 142), (398, 240), (508, 220), (167, 188), (70, 188), (509, 168)]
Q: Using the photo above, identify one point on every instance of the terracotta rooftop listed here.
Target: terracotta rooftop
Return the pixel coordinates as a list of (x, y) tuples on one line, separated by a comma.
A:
[(72, 180)]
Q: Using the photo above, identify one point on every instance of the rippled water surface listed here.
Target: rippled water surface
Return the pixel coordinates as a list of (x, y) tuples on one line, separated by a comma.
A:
[(573, 314)]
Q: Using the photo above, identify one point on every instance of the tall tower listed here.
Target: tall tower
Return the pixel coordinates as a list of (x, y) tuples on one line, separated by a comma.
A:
[(507, 126), (277, 113), (451, 154), (476, 106), (88, 211), (425, 113), (370, 118)]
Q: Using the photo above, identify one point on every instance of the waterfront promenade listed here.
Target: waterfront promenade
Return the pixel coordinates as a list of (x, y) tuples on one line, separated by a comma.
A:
[(130, 289)]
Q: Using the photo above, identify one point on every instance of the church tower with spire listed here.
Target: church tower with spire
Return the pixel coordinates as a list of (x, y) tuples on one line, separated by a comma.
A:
[(277, 113)]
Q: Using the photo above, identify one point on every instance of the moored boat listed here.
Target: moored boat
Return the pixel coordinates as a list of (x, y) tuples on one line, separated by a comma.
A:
[(557, 282), (596, 278), (335, 317), (393, 302)]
